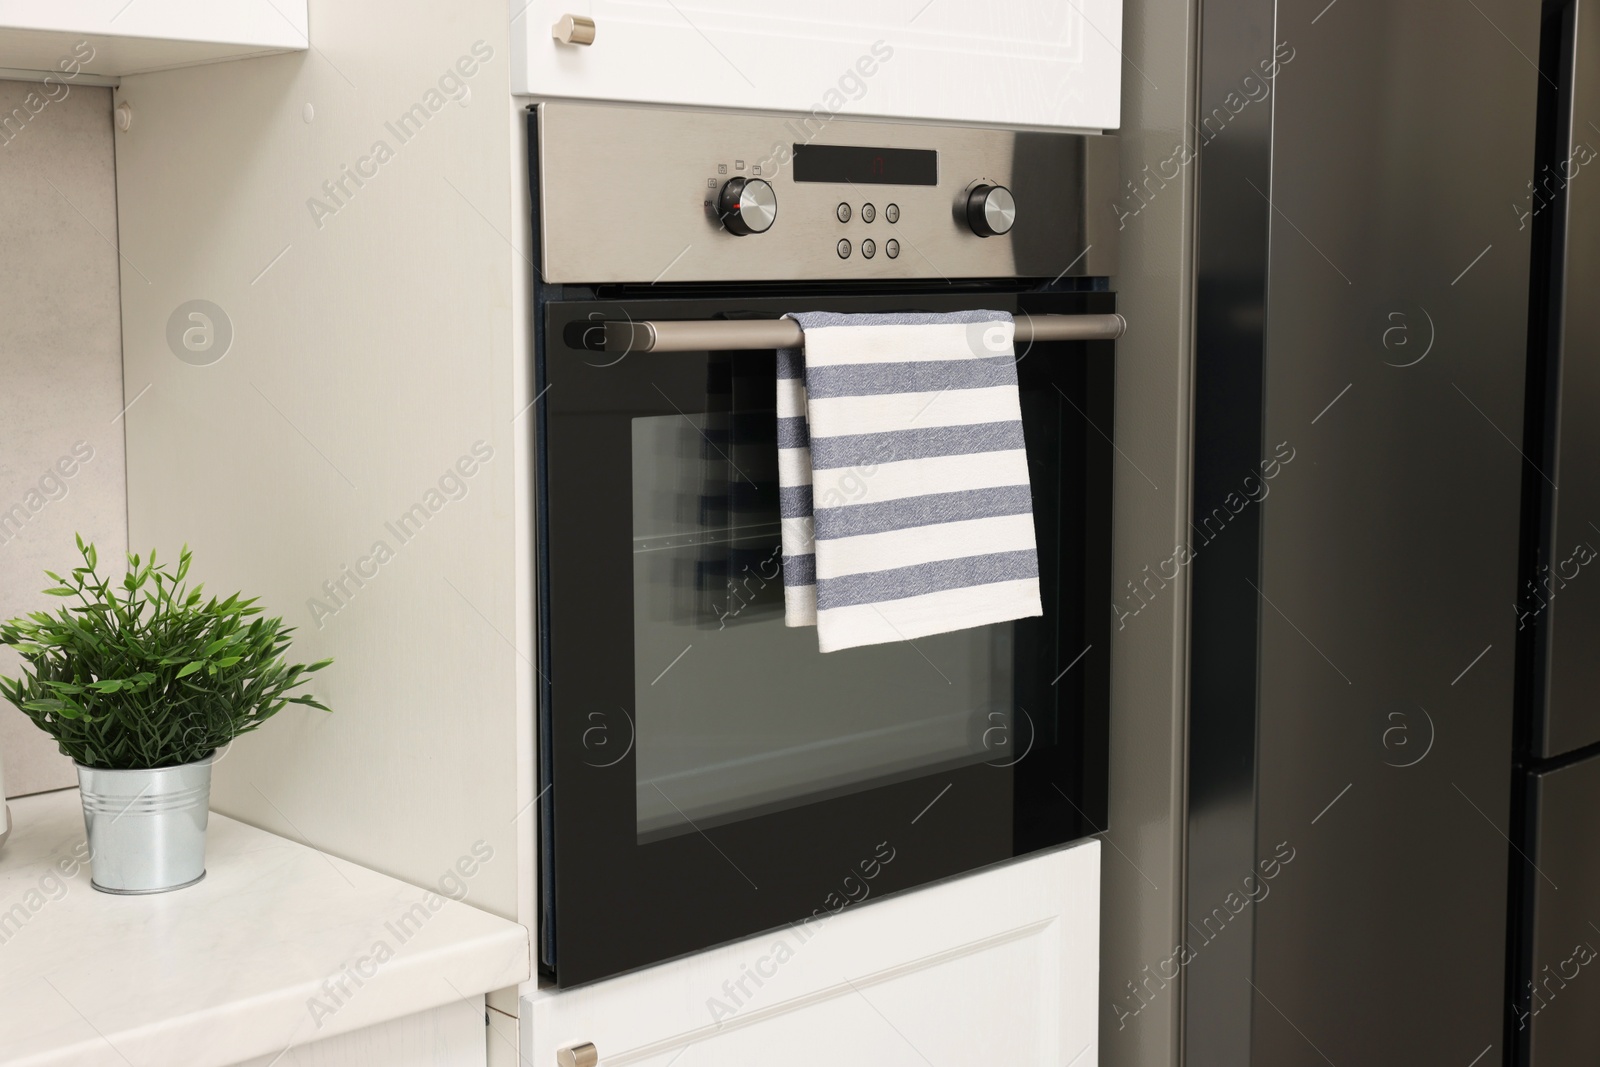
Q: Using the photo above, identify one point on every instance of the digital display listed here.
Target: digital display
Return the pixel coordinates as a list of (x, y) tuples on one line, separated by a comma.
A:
[(851, 164)]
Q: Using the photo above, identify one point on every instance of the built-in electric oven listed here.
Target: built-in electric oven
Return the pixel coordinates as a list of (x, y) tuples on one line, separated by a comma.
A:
[(705, 772)]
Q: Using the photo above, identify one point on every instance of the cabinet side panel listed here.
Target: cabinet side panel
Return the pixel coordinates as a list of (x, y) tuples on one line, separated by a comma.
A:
[(335, 434)]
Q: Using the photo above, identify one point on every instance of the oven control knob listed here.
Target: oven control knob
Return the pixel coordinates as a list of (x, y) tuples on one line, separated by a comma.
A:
[(747, 205), (991, 210)]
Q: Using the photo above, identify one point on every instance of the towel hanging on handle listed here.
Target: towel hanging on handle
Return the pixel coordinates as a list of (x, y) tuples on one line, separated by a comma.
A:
[(903, 480)]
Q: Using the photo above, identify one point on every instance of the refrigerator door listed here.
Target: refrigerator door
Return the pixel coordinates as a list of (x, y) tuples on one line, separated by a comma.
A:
[(1361, 334), (1568, 593), (1563, 1013)]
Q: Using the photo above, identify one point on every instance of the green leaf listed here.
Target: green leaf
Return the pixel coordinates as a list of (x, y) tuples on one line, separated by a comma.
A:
[(141, 670)]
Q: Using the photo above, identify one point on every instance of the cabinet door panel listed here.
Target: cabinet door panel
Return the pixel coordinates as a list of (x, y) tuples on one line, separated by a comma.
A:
[(1016, 62), (1001, 966)]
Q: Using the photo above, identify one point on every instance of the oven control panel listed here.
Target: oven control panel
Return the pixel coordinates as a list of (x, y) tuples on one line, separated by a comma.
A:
[(695, 196)]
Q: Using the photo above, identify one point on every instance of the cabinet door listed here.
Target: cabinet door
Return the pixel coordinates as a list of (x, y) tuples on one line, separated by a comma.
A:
[(997, 967), (1017, 62)]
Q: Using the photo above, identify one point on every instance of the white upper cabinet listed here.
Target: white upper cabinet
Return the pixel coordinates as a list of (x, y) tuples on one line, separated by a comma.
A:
[(1006, 62), (115, 37)]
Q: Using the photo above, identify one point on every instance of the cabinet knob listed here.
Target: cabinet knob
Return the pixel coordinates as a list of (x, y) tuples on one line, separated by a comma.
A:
[(573, 29), (583, 1055)]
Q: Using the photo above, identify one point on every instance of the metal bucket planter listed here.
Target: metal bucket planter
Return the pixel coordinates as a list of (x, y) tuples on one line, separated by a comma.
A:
[(147, 828)]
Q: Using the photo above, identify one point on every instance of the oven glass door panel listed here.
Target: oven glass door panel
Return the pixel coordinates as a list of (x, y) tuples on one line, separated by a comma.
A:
[(713, 775)]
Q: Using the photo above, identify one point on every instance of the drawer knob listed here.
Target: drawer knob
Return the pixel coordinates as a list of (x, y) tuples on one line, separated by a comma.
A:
[(573, 29), (583, 1055)]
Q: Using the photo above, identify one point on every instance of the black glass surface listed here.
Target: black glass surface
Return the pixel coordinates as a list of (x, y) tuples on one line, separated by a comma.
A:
[(735, 711), (710, 774), (857, 165)]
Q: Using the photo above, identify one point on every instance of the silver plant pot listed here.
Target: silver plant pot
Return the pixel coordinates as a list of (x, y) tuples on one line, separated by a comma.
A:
[(147, 829)]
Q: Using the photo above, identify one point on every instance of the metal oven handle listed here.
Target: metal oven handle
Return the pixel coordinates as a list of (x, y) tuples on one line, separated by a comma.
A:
[(732, 334)]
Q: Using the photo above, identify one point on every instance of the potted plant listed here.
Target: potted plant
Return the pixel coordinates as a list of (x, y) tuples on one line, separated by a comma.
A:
[(141, 686)]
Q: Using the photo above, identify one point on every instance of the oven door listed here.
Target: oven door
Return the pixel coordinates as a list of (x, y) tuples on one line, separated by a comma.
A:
[(706, 773)]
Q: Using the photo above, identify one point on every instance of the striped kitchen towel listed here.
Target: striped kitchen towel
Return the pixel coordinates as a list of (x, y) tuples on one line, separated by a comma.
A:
[(903, 482)]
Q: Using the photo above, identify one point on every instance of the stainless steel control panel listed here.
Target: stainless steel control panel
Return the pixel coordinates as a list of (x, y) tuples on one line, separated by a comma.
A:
[(631, 194)]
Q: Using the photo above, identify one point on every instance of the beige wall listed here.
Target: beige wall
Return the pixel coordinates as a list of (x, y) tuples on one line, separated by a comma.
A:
[(60, 370)]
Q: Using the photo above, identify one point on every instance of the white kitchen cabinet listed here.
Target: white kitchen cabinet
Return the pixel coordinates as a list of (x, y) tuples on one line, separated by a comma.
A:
[(996, 967), (1004, 62), (451, 1036), (117, 37)]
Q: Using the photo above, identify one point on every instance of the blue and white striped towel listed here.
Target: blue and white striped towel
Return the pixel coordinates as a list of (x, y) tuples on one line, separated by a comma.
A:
[(903, 482)]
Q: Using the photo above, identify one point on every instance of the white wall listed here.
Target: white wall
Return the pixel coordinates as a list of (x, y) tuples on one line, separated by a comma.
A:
[(371, 352), (60, 370)]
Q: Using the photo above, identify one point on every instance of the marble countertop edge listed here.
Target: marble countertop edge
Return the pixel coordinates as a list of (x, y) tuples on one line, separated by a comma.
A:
[(228, 1037), (225, 986)]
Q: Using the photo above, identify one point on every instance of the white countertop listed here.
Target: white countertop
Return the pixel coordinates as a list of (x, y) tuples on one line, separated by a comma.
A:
[(246, 963)]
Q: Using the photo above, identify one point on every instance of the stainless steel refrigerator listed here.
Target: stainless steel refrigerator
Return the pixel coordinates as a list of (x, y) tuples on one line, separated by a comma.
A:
[(1364, 267), (1555, 934)]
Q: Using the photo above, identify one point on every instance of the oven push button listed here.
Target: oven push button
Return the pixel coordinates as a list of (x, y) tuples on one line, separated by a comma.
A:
[(844, 248)]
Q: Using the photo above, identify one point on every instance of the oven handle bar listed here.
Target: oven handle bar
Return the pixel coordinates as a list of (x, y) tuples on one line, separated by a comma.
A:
[(711, 335)]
